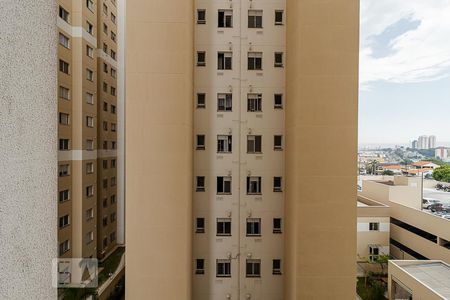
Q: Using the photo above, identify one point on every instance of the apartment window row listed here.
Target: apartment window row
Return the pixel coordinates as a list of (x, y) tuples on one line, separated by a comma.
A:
[(64, 221), (253, 226), (112, 107), (64, 144), (113, 145), (112, 238), (255, 18), (254, 143), (112, 89), (105, 201), (113, 182), (225, 60), (254, 101), (105, 126), (106, 69), (113, 163), (223, 267), (64, 247), (254, 184)]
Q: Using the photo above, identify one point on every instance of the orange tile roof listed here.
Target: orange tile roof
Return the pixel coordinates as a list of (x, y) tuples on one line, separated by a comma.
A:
[(417, 171), (422, 163), (393, 167)]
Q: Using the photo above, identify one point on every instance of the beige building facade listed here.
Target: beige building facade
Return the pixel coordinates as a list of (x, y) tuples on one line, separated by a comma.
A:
[(86, 128), (232, 108)]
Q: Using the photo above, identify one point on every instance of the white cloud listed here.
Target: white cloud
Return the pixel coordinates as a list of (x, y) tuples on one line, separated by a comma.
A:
[(421, 54)]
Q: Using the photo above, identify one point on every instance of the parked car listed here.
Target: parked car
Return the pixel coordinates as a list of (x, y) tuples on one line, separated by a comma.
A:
[(426, 203), (435, 207)]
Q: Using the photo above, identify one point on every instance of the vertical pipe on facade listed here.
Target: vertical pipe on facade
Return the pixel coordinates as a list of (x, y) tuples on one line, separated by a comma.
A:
[(159, 148)]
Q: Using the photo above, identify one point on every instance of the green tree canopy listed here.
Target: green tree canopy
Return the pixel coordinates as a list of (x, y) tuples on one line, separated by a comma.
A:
[(388, 172), (442, 173)]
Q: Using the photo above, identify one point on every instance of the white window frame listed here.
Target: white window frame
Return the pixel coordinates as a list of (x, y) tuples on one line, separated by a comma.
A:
[(90, 168), (277, 229), (223, 225), (64, 170), (224, 102), (90, 121), (255, 18), (201, 96), (253, 228), (374, 226), (225, 264), (276, 146), (275, 104), (225, 18), (255, 268), (226, 183), (199, 271), (200, 229), (201, 20), (224, 60), (64, 41), (252, 61), (64, 118), (278, 11), (280, 187), (254, 102), (64, 92), (200, 187), (276, 270), (201, 62), (254, 185), (251, 144), (224, 143)]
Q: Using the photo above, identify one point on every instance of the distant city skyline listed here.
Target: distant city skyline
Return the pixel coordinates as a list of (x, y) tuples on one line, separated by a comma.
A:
[(404, 71)]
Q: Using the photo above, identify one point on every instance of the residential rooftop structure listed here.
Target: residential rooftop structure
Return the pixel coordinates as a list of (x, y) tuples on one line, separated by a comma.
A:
[(414, 279), (235, 111)]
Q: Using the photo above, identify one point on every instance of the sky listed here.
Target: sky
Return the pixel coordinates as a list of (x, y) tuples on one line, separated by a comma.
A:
[(404, 71)]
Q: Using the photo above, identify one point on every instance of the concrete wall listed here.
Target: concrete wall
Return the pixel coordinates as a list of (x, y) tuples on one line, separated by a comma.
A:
[(28, 156), (159, 91), (321, 124)]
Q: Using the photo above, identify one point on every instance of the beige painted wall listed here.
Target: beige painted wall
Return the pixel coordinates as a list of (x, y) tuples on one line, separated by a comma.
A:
[(159, 89), (321, 124)]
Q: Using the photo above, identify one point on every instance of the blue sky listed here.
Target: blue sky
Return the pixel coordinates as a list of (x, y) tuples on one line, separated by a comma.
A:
[(404, 71)]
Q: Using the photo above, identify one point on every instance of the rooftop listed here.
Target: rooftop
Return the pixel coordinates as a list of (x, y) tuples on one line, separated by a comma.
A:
[(433, 274)]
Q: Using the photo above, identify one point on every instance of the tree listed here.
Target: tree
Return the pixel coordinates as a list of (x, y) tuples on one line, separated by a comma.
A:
[(388, 172), (382, 260), (435, 161), (372, 167), (442, 173)]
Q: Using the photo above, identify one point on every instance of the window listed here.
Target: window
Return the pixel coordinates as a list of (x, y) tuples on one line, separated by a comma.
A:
[(89, 214), (255, 18), (279, 17), (105, 87), (89, 168), (105, 125), (64, 195), (374, 226), (112, 236), (225, 18), (201, 16), (200, 225), (63, 144), (64, 66), (113, 91), (89, 51), (113, 199), (278, 142), (254, 144), (278, 101), (105, 28), (113, 18), (223, 185), (113, 181), (64, 14), (105, 9), (224, 60), (64, 170), (113, 127), (105, 106), (255, 60), (89, 75), (90, 4), (89, 28), (199, 266), (105, 202), (64, 93), (105, 48), (253, 185), (64, 40), (113, 54), (105, 164), (113, 36), (105, 67), (276, 267), (105, 183), (254, 102), (64, 247), (223, 227), (253, 227), (200, 142), (113, 163), (201, 58), (278, 59), (113, 73), (105, 221), (200, 184), (89, 237), (105, 242), (224, 102), (105, 145), (374, 253), (90, 145), (64, 221), (89, 191), (113, 109), (224, 143), (64, 119), (253, 268), (89, 121), (89, 98), (201, 100), (277, 225), (223, 268), (277, 184)]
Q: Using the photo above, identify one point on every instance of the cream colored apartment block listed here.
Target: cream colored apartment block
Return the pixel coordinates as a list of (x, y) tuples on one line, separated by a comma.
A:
[(233, 108), (81, 131)]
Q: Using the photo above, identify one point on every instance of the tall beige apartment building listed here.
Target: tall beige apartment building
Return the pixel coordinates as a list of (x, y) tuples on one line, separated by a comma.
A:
[(235, 111), (87, 138)]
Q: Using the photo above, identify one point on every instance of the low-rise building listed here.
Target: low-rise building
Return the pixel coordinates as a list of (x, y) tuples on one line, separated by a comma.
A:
[(414, 279)]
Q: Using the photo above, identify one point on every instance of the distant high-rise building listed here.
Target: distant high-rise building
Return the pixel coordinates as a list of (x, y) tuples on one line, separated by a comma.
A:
[(422, 142), (442, 153), (414, 144), (431, 142)]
